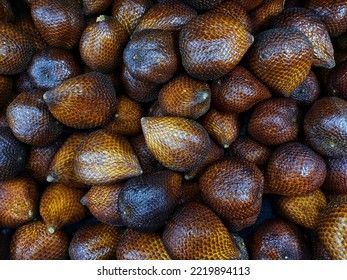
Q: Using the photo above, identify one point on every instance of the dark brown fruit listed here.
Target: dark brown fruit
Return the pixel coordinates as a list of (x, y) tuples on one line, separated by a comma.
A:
[(60, 205), (16, 49), (102, 202), (6, 11), (325, 126), (32, 241), (105, 158), (190, 192), (19, 200), (127, 118), (304, 209), (5, 90), (238, 91), (203, 4), (60, 22), (233, 189), (137, 245), (154, 110), (40, 158), (91, 7), (249, 4), (5, 240), (22, 82), (275, 121), (72, 100), (13, 155), (195, 232), (337, 81), (333, 14), (332, 229), (145, 202), (95, 242), (102, 44), (198, 45), (178, 143), (185, 97), (129, 12), (281, 58), (170, 15), (336, 179), (30, 120), (223, 127), (50, 67), (294, 169), (278, 240), (310, 24), (152, 56)]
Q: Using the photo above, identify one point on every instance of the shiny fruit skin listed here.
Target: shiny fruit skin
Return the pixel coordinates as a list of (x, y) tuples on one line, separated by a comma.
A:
[(91, 7), (336, 179), (203, 4), (249, 4), (337, 81)]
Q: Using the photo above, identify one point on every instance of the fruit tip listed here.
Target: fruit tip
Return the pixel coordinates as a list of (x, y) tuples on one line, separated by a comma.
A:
[(225, 146), (51, 230), (83, 201), (50, 178), (31, 214), (100, 18), (187, 177)]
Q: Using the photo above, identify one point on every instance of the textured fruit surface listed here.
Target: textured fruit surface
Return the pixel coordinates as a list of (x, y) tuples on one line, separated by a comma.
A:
[(203, 4), (325, 126), (102, 44), (19, 199), (336, 179), (305, 173), (104, 158), (16, 49), (278, 240), (212, 45), (30, 120), (32, 241), (138, 245), (95, 6), (275, 121), (195, 232), (177, 143), (337, 81), (6, 83), (249, 4), (60, 205), (185, 97), (72, 100), (281, 58), (304, 209), (6, 11), (95, 242)]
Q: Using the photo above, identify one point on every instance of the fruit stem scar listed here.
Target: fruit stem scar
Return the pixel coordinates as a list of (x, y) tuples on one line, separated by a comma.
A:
[(51, 230), (100, 18)]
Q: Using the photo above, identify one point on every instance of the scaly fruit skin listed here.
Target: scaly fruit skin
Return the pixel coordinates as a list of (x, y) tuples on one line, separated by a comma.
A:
[(32, 241), (336, 180), (16, 49), (105, 158), (337, 81), (137, 245), (325, 126), (198, 45), (178, 143), (6, 11), (195, 232), (95, 242), (281, 58), (249, 4), (85, 101), (95, 6), (60, 22), (203, 4), (6, 83)]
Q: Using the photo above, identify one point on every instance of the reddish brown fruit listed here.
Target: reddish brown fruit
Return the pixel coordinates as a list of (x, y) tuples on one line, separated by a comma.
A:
[(60, 205), (185, 97), (325, 126), (95, 242), (249, 4), (238, 91), (337, 81), (190, 192), (281, 58), (72, 100), (233, 189), (223, 127), (60, 22), (137, 245), (275, 121), (91, 7), (336, 179), (6, 11), (105, 158), (152, 56), (294, 169), (170, 15), (19, 200), (5, 90), (50, 67), (129, 12), (211, 239), (177, 143), (203, 4), (278, 240), (32, 241), (198, 48), (127, 118), (304, 209), (30, 120), (102, 44), (16, 49), (102, 202)]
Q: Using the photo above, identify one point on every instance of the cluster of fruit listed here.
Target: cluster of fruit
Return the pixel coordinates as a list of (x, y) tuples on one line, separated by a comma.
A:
[(140, 129)]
